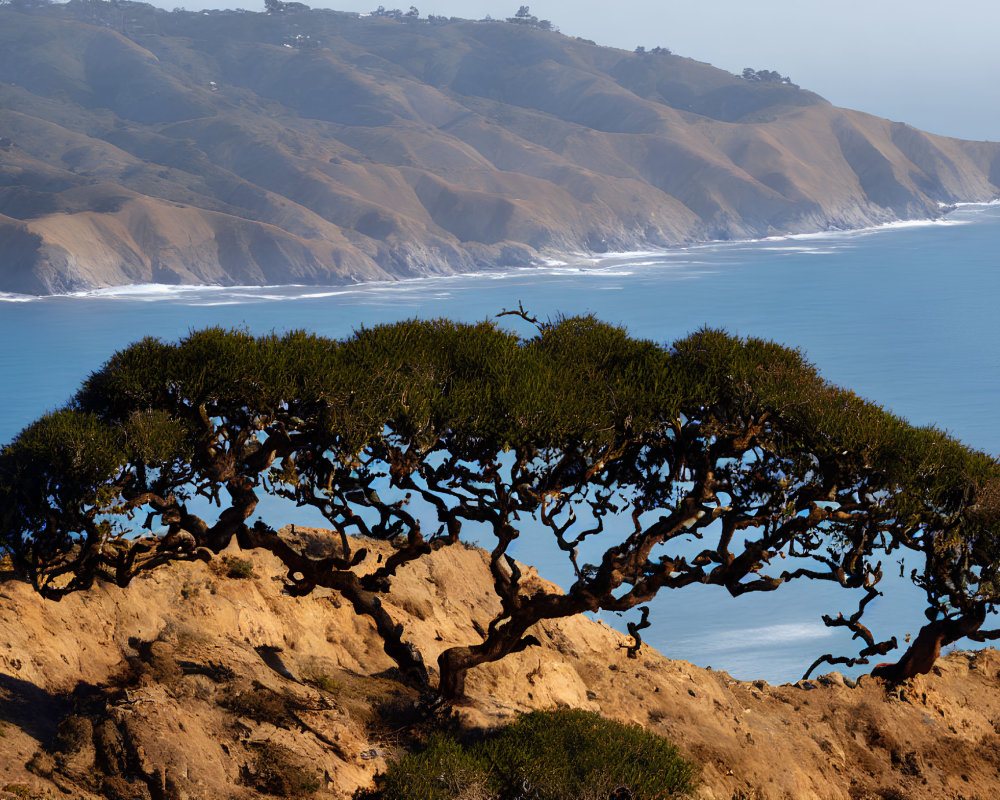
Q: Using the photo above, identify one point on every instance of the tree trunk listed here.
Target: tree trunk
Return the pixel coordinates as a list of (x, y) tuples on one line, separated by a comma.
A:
[(453, 665), (342, 579), (455, 662), (926, 648), (406, 656)]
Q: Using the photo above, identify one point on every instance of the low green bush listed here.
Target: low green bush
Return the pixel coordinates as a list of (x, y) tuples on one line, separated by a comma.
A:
[(239, 568), (545, 755)]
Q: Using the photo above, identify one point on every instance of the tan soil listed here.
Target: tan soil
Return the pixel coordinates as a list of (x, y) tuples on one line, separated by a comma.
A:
[(181, 678)]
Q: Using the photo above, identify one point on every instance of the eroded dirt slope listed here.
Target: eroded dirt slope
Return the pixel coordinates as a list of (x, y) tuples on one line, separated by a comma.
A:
[(190, 683)]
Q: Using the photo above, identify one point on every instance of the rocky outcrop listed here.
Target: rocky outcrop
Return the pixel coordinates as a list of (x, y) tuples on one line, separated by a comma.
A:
[(319, 147), (194, 684)]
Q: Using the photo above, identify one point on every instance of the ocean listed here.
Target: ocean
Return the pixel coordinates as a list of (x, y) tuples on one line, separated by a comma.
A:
[(906, 315)]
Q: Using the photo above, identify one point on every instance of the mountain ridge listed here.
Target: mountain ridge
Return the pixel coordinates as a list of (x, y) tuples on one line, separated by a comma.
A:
[(320, 147)]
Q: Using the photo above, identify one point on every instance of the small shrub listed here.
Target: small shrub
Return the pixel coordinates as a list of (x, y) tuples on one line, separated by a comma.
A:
[(325, 683), (261, 705), (555, 755), (276, 771), (396, 711), (239, 568), (438, 772)]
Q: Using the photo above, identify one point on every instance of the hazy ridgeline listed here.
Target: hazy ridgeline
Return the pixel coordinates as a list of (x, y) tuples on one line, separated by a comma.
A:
[(317, 147)]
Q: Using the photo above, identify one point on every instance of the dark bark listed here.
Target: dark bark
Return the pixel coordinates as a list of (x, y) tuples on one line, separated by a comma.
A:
[(926, 647), (406, 656), (455, 662), (305, 574)]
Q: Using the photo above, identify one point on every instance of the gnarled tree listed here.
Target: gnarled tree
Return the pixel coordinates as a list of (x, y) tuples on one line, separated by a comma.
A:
[(713, 461)]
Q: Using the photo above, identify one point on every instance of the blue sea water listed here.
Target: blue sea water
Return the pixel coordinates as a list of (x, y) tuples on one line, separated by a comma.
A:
[(906, 315)]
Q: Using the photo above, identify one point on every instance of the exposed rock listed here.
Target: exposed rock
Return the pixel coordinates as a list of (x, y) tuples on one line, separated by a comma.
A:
[(233, 148)]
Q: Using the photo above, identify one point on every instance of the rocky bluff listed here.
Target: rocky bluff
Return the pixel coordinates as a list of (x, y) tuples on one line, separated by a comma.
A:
[(174, 688)]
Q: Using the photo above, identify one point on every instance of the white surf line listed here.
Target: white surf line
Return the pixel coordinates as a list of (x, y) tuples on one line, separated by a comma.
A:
[(556, 265)]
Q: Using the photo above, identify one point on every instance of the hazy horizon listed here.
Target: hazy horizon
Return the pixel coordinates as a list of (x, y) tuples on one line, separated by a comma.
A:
[(910, 62)]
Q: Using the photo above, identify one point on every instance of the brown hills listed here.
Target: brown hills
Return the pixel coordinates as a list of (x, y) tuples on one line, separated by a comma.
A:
[(173, 688), (312, 146)]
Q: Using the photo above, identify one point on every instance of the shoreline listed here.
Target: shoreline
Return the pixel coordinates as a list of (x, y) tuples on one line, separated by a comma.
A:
[(568, 262)]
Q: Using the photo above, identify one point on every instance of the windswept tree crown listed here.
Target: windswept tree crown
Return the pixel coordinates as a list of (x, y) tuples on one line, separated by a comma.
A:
[(416, 432)]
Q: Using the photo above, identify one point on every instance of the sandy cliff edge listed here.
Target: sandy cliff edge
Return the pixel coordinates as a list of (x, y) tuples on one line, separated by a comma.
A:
[(158, 684)]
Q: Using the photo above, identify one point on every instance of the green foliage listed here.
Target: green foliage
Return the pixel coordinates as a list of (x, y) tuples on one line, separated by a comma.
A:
[(753, 379), (63, 452), (66, 460), (133, 378), (324, 682), (576, 423), (545, 755), (440, 771), (155, 438), (239, 568), (765, 76), (629, 382), (21, 791)]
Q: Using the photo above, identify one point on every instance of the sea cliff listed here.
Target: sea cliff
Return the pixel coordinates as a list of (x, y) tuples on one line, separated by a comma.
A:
[(169, 688), (318, 147)]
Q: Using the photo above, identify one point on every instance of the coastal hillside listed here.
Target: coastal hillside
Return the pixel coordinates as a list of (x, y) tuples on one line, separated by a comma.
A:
[(318, 147), (200, 678)]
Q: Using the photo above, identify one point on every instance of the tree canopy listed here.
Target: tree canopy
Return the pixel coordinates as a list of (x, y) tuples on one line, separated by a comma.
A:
[(765, 76), (419, 432)]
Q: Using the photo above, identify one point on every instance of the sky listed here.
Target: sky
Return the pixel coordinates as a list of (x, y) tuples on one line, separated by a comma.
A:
[(933, 65)]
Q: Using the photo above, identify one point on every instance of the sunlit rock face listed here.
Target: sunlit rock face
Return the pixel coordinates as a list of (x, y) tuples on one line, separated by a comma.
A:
[(197, 672)]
